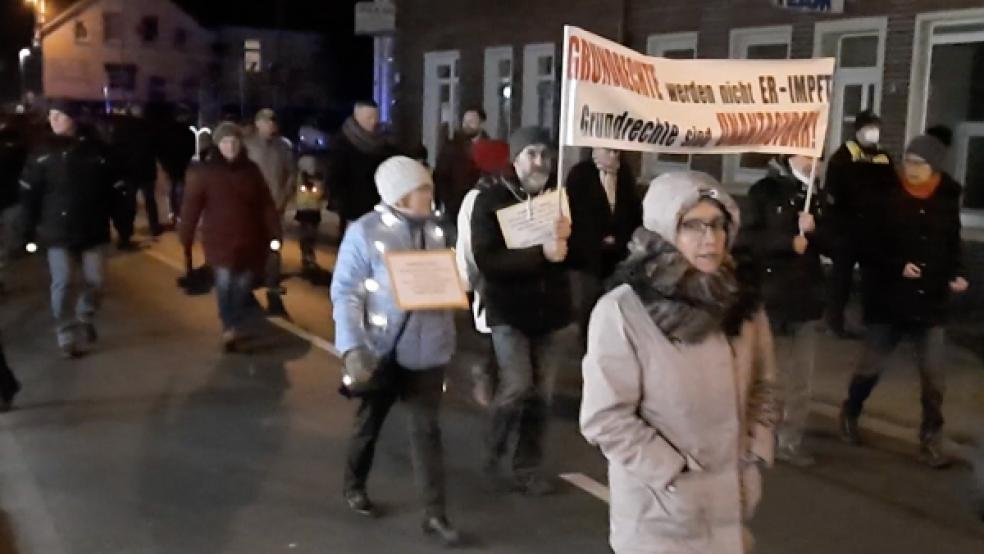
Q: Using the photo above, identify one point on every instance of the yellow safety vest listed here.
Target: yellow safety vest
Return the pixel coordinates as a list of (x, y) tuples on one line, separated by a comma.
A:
[(859, 155)]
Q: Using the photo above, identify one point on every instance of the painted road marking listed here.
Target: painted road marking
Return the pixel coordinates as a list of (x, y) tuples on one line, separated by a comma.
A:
[(289, 326), (588, 485)]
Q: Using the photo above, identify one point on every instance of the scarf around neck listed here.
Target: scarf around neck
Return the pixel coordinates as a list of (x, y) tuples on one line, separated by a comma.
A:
[(364, 141), (924, 190), (686, 304)]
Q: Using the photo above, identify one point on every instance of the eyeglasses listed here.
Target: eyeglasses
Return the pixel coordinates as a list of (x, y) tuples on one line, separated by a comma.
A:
[(696, 228)]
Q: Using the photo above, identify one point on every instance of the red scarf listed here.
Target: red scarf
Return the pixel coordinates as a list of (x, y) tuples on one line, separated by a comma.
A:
[(924, 190)]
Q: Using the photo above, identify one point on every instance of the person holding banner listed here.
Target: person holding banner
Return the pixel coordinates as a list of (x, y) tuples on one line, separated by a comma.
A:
[(405, 351), (860, 176), (605, 210), (679, 379), (528, 299), (786, 245), (919, 267)]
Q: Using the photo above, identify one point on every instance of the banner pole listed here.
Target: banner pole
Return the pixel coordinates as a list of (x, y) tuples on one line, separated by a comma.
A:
[(809, 188), (564, 111)]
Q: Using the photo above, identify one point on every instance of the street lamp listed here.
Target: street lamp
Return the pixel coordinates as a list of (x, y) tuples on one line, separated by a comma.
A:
[(22, 56)]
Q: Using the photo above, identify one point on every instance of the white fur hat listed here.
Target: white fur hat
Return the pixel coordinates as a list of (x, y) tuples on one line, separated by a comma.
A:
[(399, 176), (673, 194)]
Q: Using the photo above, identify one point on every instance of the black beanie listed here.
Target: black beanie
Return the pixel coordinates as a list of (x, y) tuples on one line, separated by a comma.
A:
[(930, 149), (521, 138), (67, 107), (866, 118)]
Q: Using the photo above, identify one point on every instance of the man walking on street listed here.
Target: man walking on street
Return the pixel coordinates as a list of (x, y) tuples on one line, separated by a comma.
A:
[(860, 176), (917, 269), (276, 161), (67, 195), (137, 157), (528, 300), (456, 173), (355, 154)]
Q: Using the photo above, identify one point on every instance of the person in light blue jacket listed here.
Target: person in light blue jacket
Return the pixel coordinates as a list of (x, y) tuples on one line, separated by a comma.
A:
[(369, 328)]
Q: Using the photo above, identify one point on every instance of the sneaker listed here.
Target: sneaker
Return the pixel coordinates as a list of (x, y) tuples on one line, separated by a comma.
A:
[(441, 527), (794, 456), (849, 429), (71, 351), (533, 485), (7, 399), (358, 502), (89, 330), (230, 340), (932, 455)]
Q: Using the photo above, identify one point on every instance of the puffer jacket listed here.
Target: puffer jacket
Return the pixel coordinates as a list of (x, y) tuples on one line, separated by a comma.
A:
[(365, 309), (684, 425), (67, 191)]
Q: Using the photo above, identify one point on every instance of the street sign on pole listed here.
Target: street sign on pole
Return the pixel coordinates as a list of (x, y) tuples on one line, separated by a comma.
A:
[(375, 18)]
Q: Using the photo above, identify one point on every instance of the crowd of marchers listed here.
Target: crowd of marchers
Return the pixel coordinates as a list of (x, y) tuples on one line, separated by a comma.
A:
[(699, 321)]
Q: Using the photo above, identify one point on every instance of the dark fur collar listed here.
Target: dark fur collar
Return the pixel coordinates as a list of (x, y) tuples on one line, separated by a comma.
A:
[(686, 304)]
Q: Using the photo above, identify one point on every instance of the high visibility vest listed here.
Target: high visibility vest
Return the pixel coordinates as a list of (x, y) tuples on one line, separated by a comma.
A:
[(859, 155)]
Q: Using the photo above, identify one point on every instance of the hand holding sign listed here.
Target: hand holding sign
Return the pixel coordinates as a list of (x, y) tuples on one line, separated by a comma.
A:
[(535, 223), (556, 250)]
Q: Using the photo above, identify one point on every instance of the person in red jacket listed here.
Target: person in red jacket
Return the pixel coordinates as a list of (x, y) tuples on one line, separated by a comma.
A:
[(241, 225)]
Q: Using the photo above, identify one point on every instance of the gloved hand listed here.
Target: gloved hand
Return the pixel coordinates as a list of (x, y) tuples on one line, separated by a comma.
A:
[(358, 365)]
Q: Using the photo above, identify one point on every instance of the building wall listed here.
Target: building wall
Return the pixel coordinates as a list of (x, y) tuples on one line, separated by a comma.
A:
[(74, 69), (289, 73), (472, 25)]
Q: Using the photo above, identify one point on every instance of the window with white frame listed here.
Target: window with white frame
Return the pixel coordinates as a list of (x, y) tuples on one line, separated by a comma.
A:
[(539, 85), (758, 43), (859, 47), (677, 46), (947, 85), (498, 90)]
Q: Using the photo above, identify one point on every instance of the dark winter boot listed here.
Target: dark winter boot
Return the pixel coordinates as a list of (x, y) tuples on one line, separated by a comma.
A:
[(848, 425), (931, 452), (275, 304), (441, 528)]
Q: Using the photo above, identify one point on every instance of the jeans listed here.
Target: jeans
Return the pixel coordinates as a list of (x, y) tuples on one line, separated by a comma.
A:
[(420, 392), (527, 370), (233, 290), (879, 345), (796, 346), (62, 264)]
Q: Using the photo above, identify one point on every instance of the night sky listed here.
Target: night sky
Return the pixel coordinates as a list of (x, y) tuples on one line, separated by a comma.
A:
[(352, 56)]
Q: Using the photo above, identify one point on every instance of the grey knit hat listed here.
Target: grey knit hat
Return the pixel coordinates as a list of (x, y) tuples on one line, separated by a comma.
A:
[(226, 129), (521, 138), (930, 149), (673, 194)]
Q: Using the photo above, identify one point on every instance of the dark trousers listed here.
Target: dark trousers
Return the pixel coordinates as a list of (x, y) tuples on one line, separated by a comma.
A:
[(880, 342), (148, 190), (308, 237), (420, 392), (527, 371), (587, 290), (8, 382), (845, 258), (175, 197), (123, 213)]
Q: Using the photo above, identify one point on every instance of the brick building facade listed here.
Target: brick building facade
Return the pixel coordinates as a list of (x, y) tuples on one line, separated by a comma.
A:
[(918, 62)]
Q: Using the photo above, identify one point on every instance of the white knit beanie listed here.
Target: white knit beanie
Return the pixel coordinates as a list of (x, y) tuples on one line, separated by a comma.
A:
[(399, 176), (673, 194)]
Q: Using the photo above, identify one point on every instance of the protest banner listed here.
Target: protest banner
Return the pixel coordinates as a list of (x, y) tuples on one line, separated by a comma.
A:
[(532, 223), (820, 6), (615, 97), (426, 280)]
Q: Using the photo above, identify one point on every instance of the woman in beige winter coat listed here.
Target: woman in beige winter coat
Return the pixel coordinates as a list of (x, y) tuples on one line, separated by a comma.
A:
[(679, 379)]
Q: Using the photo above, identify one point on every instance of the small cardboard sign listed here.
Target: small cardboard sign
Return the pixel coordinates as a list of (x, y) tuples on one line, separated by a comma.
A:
[(532, 223), (426, 280)]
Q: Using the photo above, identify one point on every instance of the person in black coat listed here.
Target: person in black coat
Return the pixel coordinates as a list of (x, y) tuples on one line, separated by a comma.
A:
[(605, 211), (527, 295), (355, 154), (785, 245), (67, 190), (135, 150), (13, 154), (916, 271), (176, 147), (859, 177)]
